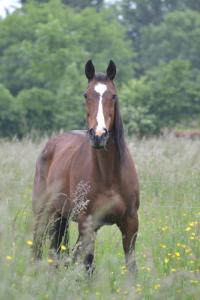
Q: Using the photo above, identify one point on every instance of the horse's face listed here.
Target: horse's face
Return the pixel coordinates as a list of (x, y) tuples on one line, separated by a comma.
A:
[(100, 104)]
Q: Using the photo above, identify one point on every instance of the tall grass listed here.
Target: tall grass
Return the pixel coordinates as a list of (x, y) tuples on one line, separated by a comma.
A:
[(168, 245)]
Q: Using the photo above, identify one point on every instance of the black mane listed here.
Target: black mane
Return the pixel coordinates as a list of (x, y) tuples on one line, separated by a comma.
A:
[(119, 132)]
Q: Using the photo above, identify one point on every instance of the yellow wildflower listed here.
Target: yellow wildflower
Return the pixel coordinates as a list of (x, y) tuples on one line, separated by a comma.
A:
[(163, 246), (29, 242), (192, 261), (138, 290), (188, 228), (173, 270), (192, 224), (193, 281), (164, 228), (177, 254), (188, 250), (50, 261), (156, 286), (63, 248), (8, 257), (123, 272)]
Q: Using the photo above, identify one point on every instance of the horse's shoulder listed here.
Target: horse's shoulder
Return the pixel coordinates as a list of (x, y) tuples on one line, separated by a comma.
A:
[(73, 135), (64, 138), (65, 142)]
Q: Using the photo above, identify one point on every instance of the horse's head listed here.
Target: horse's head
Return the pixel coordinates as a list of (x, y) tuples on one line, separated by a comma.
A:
[(100, 103)]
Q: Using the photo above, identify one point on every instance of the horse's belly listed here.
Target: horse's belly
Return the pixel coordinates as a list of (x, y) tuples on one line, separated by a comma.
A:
[(108, 208)]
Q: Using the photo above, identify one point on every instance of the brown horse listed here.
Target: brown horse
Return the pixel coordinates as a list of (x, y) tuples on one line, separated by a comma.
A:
[(99, 158)]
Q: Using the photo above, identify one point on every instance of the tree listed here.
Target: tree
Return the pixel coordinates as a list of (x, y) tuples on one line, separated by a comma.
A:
[(11, 122), (70, 112), (138, 15), (177, 37), (77, 4), (37, 107), (41, 44), (165, 96), (43, 53)]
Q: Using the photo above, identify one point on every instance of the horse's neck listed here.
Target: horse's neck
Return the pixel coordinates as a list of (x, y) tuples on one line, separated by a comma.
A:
[(106, 164)]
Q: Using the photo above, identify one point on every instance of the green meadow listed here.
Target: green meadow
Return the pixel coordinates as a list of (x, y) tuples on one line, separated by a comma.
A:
[(168, 244)]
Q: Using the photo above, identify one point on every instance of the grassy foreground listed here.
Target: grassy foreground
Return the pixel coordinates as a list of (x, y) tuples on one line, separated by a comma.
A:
[(168, 245)]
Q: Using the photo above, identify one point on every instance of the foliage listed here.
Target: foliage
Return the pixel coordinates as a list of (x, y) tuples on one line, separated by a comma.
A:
[(154, 43), (38, 107), (143, 15), (78, 4), (43, 49), (70, 113), (177, 37), (165, 96), (10, 122)]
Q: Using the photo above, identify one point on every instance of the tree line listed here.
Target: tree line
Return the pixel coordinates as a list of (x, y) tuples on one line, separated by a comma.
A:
[(154, 43)]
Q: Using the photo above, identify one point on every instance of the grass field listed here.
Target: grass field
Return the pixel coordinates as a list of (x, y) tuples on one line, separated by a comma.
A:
[(168, 245)]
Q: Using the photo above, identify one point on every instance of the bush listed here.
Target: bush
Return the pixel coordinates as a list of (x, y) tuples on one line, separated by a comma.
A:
[(162, 98), (11, 122), (38, 107)]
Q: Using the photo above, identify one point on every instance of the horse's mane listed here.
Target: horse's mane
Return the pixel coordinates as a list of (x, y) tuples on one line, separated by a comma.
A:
[(119, 132)]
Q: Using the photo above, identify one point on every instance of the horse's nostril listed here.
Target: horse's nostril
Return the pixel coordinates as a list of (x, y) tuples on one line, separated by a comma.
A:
[(91, 131), (106, 131)]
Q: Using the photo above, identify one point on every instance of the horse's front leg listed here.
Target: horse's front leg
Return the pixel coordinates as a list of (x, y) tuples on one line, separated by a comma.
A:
[(129, 229), (84, 248)]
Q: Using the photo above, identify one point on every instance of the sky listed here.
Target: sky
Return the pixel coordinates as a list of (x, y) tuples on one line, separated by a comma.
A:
[(8, 4)]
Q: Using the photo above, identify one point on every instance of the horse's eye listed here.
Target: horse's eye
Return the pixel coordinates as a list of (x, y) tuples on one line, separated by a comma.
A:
[(85, 95), (114, 97)]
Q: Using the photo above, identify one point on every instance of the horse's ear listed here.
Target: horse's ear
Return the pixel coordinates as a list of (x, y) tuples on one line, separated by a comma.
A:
[(89, 70), (111, 70)]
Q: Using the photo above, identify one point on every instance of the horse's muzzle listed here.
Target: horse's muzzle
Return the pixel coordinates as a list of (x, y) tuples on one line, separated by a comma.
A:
[(98, 141)]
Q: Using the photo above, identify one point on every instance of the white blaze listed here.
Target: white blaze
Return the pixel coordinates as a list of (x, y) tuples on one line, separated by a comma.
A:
[(100, 88)]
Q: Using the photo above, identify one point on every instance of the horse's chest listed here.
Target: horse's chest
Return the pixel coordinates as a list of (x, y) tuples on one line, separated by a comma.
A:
[(107, 206)]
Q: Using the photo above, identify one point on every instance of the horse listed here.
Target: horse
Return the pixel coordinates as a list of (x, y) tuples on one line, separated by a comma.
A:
[(97, 158)]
